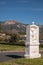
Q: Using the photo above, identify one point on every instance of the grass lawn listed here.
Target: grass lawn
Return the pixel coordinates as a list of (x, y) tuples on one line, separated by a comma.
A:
[(4, 47), (23, 61), (19, 61)]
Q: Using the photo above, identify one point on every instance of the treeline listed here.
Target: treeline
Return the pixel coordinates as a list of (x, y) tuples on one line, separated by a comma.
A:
[(11, 39)]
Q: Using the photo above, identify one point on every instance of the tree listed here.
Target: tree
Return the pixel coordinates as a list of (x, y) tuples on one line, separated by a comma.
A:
[(0, 28), (15, 38)]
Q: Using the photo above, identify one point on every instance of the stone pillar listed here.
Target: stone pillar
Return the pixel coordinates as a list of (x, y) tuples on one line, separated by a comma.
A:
[(32, 42)]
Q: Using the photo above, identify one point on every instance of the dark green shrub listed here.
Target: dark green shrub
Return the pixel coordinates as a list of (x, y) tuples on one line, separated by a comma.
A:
[(21, 43), (41, 45), (15, 38)]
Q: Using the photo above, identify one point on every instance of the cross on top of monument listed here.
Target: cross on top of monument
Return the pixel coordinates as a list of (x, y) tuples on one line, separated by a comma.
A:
[(33, 23)]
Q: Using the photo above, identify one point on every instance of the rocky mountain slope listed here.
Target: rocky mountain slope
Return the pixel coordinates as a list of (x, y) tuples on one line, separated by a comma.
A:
[(12, 26)]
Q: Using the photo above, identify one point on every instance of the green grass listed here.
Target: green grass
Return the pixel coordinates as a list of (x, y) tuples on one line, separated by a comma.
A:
[(23, 61), (19, 61), (4, 47)]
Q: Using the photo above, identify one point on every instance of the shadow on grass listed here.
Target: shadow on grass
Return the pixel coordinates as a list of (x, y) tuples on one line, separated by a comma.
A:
[(9, 57), (15, 56)]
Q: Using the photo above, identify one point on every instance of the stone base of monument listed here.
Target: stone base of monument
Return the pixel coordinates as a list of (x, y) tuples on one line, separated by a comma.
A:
[(32, 50), (32, 56)]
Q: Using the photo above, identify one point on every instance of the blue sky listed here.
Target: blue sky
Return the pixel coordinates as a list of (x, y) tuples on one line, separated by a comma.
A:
[(24, 11)]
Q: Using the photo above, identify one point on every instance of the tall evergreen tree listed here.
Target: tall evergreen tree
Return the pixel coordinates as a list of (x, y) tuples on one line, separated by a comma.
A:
[(0, 28)]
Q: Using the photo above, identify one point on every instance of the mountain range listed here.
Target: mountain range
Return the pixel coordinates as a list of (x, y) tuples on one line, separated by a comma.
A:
[(12, 26)]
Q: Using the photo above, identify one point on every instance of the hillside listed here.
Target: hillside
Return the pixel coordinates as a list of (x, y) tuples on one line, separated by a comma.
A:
[(12, 26)]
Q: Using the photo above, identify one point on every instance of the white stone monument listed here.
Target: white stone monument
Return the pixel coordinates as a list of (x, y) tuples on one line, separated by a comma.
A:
[(32, 41)]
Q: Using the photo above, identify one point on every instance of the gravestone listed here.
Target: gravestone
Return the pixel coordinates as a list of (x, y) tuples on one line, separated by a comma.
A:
[(32, 42)]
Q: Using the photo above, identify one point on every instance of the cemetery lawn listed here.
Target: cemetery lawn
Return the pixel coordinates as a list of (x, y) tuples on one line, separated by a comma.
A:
[(4, 47), (23, 61)]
